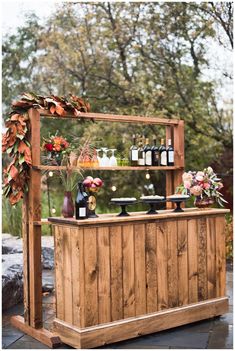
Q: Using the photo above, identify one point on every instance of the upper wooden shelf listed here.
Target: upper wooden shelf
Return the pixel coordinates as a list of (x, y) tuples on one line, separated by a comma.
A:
[(118, 168), (114, 118)]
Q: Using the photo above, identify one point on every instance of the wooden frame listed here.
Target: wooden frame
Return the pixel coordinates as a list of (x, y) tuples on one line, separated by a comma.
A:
[(32, 322)]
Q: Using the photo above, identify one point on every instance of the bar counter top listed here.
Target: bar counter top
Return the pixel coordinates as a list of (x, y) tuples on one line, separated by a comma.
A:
[(139, 216)]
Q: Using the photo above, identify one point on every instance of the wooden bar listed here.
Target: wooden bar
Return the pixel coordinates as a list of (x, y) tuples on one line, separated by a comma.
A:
[(114, 168), (114, 118), (137, 275)]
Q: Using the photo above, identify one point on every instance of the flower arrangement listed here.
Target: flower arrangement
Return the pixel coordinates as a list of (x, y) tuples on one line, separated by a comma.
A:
[(92, 184), (202, 184), (56, 147)]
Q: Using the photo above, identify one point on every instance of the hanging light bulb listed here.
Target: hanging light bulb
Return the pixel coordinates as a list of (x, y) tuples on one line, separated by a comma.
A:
[(50, 174), (53, 210), (113, 188), (147, 175)]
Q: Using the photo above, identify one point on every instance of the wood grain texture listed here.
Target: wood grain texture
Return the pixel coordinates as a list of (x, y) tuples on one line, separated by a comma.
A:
[(75, 236), (211, 258), (128, 271), (59, 268), (172, 264), (67, 275), (25, 236), (140, 273), (151, 267), (104, 298), (34, 214), (90, 277), (202, 261), (183, 282), (220, 257), (138, 326), (116, 272), (192, 260), (162, 283)]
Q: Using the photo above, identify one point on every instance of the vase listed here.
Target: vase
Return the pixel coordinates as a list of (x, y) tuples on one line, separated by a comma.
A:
[(68, 206), (55, 158), (203, 202)]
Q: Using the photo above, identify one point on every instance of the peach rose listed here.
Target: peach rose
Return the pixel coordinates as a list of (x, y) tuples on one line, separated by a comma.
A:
[(187, 184), (196, 190), (187, 177), (200, 176)]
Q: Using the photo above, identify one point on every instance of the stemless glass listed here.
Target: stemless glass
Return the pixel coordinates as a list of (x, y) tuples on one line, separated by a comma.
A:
[(113, 160)]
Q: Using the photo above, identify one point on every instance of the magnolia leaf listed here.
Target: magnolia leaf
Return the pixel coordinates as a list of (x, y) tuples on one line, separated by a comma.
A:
[(21, 159), (9, 150), (20, 136)]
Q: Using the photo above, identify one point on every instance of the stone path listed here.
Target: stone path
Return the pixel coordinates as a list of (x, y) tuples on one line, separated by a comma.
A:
[(216, 333)]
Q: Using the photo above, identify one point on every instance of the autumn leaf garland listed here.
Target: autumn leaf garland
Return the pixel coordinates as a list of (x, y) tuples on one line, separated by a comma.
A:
[(15, 142)]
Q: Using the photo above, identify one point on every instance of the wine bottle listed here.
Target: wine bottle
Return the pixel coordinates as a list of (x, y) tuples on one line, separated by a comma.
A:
[(81, 203), (148, 153), (163, 154), (170, 154), (141, 154), (134, 152), (155, 153)]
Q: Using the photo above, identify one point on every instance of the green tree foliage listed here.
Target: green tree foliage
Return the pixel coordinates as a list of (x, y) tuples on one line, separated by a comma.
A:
[(129, 58)]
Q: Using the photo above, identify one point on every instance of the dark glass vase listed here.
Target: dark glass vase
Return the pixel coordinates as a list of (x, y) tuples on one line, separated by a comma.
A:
[(68, 206), (204, 202)]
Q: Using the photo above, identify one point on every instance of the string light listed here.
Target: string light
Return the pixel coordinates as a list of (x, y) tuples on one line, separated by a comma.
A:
[(50, 174), (147, 176), (53, 210), (113, 188)]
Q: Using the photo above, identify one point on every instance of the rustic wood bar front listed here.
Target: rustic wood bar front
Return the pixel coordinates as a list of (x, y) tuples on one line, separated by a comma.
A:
[(119, 278)]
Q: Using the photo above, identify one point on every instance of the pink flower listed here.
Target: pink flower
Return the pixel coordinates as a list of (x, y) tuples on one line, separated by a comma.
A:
[(187, 177), (200, 176), (196, 190), (206, 186), (187, 184)]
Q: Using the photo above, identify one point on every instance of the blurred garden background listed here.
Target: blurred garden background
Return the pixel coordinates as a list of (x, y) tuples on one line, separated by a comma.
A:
[(171, 60)]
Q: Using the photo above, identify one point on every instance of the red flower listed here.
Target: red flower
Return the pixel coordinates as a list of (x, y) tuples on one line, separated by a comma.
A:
[(48, 147)]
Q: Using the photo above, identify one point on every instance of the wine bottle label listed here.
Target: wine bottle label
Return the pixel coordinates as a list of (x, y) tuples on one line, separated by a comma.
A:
[(163, 158), (82, 212), (156, 156), (134, 155), (171, 156), (148, 158), (141, 162)]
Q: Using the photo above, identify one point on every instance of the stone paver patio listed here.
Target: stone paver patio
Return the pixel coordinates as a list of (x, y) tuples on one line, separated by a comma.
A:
[(216, 333)]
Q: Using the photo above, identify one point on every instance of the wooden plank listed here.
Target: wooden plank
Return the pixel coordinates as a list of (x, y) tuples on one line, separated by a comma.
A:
[(162, 296), (132, 327), (34, 213), (128, 271), (112, 218), (82, 277), (59, 265), (211, 258), (172, 264), (179, 143), (151, 267), (202, 253), (116, 272), (67, 274), (220, 256), (104, 298), (114, 118), (140, 276), (192, 261), (42, 335), (114, 168), (90, 276), (75, 234), (182, 262), (25, 236), (169, 188)]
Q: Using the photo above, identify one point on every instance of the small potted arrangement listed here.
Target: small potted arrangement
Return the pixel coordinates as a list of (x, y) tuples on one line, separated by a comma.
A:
[(55, 147), (204, 185), (92, 186)]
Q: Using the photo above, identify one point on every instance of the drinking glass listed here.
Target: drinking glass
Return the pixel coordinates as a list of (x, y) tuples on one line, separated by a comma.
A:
[(113, 160), (104, 162)]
